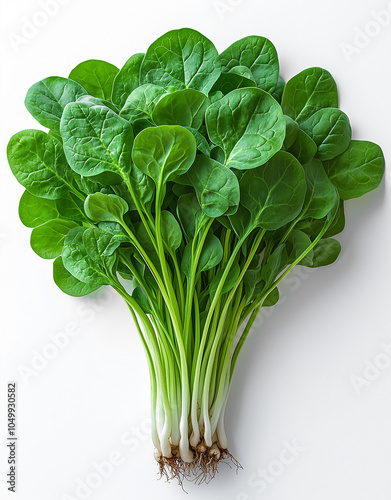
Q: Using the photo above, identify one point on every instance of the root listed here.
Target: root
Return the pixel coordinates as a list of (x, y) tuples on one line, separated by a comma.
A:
[(202, 469)]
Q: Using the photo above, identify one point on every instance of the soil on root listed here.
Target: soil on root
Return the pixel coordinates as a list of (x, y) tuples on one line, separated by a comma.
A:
[(202, 469)]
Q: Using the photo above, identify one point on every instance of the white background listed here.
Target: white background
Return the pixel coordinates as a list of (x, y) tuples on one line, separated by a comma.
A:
[(294, 381)]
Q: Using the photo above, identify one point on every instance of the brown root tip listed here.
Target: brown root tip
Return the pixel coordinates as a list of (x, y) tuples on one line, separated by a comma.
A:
[(203, 468)]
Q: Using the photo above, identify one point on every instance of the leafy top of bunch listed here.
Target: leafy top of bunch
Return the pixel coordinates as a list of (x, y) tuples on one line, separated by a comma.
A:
[(196, 139)]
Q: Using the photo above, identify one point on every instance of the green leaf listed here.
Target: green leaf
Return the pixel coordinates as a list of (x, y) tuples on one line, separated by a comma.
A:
[(215, 95), (94, 101), (96, 77), (202, 144), (229, 81), (248, 125), (276, 263), (34, 211), (142, 299), (116, 231), (216, 186), (307, 92), (242, 71), (211, 255), (259, 55), (126, 80), (250, 280), (303, 148), (88, 255), (124, 271), (141, 102), (164, 153), (101, 207), (96, 140), (229, 282), (279, 90), (292, 131), (47, 240), (189, 214), (330, 130), (38, 162), (143, 188), (183, 107), (47, 99), (357, 170), (72, 208), (183, 58), (145, 241), (338, 224), (241, 221), (68, 283), (321, 194), (170, 230), (326, 252), (274, 193), (297, 243), (86, 185), (272, 298)]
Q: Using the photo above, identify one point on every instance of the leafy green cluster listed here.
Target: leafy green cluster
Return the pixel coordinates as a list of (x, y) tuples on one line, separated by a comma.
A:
[(201, 179)]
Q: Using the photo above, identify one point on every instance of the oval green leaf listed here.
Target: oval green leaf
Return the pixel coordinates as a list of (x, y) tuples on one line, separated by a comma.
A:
[(96, 140), (47, 240), (274, 193), (70, 285), (216, 186), (101, 207), (248, 125), (357, 170), (38, 162), (259, 55), (183, 58), (34, 211), (183, 107), (141, 102), (307, 92), (165, 152), (96, 77), (330, 129), (47, 99)]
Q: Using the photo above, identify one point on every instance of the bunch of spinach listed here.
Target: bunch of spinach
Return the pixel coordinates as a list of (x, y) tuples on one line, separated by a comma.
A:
[(200, 179)]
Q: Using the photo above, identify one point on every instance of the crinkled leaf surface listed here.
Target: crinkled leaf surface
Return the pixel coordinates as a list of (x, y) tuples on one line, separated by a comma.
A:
[(321, 194), (88, 255), (96, 140), (126, 80), (216, 186), (47, 99), (259, 55), (248, 125), (274, 193), (330, 129), (68, 283), (38, 162), (307, 92), (183, 58), (141, 102), (303, 148)]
